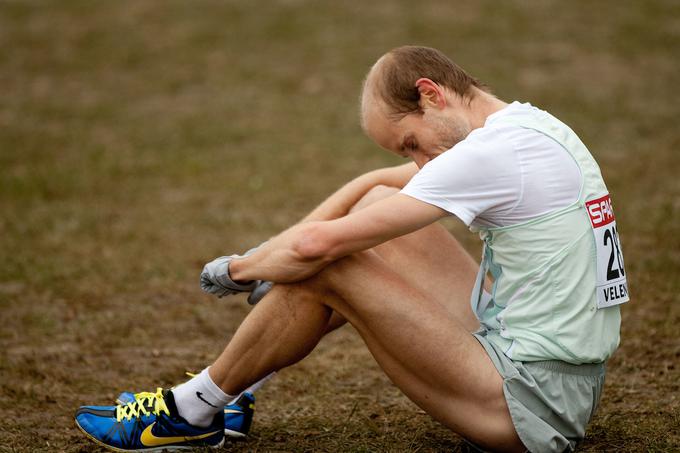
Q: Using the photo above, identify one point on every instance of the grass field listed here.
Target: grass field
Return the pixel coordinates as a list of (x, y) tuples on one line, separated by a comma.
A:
[(140, 139)]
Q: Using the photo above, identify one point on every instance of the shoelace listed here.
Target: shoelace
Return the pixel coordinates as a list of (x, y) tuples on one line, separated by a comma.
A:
[(145, 403), (146, 395)]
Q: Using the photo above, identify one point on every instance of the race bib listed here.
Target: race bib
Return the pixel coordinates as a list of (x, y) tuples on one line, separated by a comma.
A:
[(612, 287)]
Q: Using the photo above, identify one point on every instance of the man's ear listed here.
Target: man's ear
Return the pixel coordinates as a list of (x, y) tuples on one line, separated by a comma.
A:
[(431, 94)]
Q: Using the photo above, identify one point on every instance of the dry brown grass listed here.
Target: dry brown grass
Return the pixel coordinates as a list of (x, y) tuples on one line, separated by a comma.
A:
[(139, 139)]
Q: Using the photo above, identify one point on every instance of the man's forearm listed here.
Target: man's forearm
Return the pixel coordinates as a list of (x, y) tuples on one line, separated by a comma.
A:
[(292, 255), (306, 248), (287, 257)]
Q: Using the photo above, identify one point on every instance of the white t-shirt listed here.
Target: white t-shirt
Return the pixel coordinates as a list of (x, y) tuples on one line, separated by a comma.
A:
[(499, 175)]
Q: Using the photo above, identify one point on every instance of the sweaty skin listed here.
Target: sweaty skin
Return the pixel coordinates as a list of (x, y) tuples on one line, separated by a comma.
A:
[(370, 267)]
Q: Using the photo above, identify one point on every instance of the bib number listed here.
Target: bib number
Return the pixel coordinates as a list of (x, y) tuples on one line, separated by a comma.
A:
[(612, 286)]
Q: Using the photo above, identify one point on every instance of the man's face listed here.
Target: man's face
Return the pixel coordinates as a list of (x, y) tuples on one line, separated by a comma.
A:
[(420, 136)]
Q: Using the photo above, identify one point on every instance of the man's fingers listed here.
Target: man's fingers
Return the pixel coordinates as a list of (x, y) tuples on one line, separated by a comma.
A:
[(210, 287), (215, 280)]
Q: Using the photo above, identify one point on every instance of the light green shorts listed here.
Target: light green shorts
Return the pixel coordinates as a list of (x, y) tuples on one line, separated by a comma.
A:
[(550, 402)]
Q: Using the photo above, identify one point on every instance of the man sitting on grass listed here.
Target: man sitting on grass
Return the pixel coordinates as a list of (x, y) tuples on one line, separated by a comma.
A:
[(511, 362)]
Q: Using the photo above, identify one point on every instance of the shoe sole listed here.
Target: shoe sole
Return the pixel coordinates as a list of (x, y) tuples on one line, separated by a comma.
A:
[(152, 449), (234, 434)]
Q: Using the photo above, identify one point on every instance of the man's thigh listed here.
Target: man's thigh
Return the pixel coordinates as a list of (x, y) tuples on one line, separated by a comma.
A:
[(433, 261), (423, 347)]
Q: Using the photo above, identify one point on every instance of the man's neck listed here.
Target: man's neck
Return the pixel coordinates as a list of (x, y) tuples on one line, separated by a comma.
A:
[(482, 105)]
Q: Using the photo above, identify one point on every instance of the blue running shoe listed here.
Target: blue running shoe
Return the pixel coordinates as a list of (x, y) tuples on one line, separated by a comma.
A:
[(150, 423), (238, 417)]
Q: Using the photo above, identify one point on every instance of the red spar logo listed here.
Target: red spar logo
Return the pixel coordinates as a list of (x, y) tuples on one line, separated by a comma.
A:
[(600, 211)]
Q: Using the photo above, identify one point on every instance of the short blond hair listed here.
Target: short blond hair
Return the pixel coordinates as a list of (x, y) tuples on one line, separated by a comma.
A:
[(396, 73)]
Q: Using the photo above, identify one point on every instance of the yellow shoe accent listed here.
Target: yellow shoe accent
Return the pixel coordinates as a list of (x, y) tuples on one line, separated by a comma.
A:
[(145, 403), (148, 439), (142, 395)]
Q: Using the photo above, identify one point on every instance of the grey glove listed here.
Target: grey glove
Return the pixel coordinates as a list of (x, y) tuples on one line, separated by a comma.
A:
[(215, 278), (261, 290)]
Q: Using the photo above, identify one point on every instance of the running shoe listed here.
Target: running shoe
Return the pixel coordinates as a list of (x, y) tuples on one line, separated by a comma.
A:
[(149, 423), (238, 416)]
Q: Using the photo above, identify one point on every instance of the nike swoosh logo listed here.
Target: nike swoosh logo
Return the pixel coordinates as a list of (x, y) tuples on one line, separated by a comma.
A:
[(232, 411), (200, 397), (148, 439)]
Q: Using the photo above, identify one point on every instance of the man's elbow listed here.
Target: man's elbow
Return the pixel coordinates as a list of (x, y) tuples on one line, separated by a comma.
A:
[(315, 243)]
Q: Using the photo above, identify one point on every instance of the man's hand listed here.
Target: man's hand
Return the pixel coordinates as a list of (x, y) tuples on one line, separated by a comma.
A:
[(214, 275), (215, 278), (262, 287)]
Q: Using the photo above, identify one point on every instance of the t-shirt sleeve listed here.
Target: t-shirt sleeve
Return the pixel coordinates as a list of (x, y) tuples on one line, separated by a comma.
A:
[(479, 177)]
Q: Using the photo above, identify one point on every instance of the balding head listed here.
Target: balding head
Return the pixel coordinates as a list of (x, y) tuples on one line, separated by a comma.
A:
[(418, 103), (390, 85), (370, 98)]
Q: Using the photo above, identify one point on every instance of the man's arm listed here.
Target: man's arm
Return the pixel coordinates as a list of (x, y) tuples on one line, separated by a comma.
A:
[(335, 206), (306, 248), (340, 202)]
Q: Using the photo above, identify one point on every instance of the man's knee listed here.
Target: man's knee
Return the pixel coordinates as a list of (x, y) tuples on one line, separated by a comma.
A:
[(346, 273), (377, 193), (336, 282), (299, 292)]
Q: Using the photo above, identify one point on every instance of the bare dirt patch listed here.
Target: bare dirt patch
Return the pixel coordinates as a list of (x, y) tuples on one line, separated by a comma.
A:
[(139, 140)]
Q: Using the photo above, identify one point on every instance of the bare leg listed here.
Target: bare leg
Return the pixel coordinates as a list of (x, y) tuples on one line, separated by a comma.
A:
[(408, 299), (422, 347), (424, 350), (429, 257)]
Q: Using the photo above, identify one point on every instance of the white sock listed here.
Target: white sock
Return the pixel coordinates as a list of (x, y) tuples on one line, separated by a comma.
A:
[(258, 385), (199, 399), (255, 387)]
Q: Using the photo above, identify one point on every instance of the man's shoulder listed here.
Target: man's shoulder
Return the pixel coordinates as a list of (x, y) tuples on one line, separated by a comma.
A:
[(483, 152), (493, 134), (482, 142)]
